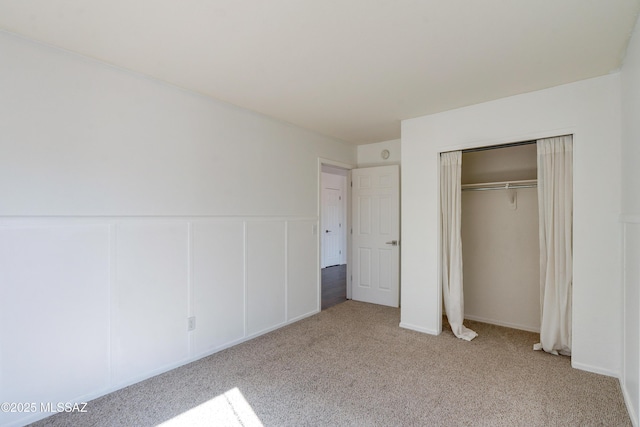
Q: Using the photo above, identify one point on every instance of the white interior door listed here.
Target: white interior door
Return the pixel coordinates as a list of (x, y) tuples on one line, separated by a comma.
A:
[(332, 226), (376, 232)]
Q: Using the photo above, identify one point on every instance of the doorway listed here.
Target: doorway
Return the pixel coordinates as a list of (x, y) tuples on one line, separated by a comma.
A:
[(363, 221), (333, 234)]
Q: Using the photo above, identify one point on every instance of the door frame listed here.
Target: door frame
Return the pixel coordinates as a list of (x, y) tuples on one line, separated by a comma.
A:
[(347, 195)]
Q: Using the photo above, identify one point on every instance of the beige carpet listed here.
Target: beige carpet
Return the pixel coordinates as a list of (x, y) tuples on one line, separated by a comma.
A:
[(353, 365)]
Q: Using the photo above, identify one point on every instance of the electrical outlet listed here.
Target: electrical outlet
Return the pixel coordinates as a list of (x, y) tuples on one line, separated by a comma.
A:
[(191, 323)]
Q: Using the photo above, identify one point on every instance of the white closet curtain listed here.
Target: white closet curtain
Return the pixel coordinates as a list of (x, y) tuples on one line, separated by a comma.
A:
[(450, 212), (555, 209)]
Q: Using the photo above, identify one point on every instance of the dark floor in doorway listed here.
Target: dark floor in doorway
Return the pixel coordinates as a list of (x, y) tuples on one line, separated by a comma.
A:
[(334, 285)]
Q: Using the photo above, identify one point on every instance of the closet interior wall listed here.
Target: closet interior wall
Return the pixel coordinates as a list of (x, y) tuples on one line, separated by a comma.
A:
[(500, 239)]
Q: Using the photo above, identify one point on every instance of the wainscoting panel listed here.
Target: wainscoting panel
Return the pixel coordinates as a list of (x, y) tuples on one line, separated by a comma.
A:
[(91, 304), (218, 284), (631, 361), (265, 275), (302, 269), (151, 294), (54, 313)]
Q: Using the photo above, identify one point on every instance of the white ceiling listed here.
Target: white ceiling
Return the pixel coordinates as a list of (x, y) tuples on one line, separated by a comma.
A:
[(351, 69)]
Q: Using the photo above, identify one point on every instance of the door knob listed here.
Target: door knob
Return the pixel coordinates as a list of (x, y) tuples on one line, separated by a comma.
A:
[(327, 231), (392, 243)]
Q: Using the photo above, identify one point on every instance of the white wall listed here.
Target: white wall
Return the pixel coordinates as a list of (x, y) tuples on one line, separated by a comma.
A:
[(501, 258), (81, 138), (631, 223), (588, 109), (370, 154), (128, 205)]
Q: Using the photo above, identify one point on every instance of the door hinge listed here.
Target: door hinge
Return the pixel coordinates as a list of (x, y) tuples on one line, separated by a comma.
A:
[(351, 277), (352, 183), (351, 231)]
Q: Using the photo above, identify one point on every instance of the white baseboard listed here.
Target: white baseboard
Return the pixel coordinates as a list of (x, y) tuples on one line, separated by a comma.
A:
[(629, 404), (505, 324), (594, 369), (419, 328)]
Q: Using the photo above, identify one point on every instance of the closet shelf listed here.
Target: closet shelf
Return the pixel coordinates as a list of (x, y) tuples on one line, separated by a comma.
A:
[(501, 185)]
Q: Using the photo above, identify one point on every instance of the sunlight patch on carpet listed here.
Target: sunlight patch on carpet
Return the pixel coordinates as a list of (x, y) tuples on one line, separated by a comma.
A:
[(228, 409)]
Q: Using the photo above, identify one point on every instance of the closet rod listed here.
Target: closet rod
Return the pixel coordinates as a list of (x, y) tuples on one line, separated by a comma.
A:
[(502, 185), (493, 147)]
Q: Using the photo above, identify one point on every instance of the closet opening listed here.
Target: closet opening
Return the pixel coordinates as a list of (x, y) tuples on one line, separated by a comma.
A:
[(506, 238), (499, 227)]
